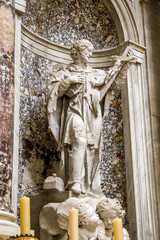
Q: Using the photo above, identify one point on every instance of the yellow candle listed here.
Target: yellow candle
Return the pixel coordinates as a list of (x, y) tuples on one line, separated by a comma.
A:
[(73, 224), (25, 215), (118, 229)]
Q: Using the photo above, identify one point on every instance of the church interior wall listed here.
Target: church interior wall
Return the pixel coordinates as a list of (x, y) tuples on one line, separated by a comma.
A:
[(107, 25)]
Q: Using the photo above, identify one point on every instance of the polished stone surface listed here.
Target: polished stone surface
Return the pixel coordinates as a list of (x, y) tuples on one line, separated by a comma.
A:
[(6, 101), (63, 22)]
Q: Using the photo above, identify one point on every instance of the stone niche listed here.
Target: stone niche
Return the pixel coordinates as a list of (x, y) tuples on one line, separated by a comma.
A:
[(46, 41), (38, 155)]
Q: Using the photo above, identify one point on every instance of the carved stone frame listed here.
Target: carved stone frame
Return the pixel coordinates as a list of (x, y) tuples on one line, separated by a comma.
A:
[(142, 210)]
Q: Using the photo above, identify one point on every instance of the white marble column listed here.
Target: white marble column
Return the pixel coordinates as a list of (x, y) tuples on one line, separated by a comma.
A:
[(138, 152)]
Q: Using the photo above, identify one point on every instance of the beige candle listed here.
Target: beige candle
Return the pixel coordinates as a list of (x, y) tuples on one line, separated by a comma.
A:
[(118, 229), (73, 224), (25, 215)]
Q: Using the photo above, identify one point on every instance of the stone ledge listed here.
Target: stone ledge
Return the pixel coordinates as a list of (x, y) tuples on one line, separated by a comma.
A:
[(20, 6), (61, 54)]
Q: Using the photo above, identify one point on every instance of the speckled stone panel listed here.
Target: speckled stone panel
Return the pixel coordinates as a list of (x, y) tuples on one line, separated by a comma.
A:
[(37, 146), (113, 172), (63, 22), (6, 100)]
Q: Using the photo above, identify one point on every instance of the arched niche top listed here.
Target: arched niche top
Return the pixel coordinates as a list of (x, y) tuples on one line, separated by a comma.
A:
[(61, 54), (124, 20), (64, 22)]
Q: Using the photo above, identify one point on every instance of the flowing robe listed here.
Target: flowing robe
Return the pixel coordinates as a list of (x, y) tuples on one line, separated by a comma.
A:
[(75, 118)]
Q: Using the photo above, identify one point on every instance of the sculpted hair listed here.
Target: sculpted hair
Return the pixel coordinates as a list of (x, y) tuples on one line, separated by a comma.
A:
[(110, 204), (83, 213), (78, 46)]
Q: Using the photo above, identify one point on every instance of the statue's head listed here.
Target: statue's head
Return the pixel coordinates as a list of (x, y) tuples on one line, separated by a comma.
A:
[(81, 51), (108, 209), (87, 215)]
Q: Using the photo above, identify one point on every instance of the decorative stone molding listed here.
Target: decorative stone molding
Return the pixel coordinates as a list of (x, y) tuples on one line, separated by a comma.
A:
[(20, 6), (19, 10), (45, 48), (126, 23), (61, 54), (7, 224)]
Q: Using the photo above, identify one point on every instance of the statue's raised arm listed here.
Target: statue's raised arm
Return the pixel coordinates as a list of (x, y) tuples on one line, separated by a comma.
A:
[(120, 67)]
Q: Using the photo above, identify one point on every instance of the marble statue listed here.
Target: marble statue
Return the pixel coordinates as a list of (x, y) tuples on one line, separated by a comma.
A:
[(95, 218), (108, 209), (90, 225), (75, 110)]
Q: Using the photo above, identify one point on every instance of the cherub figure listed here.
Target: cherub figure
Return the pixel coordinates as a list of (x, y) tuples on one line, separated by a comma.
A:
[(108, 209), (90, 226)]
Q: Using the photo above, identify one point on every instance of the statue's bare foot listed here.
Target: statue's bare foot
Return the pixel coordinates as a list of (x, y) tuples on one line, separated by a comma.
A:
[(76, 188)]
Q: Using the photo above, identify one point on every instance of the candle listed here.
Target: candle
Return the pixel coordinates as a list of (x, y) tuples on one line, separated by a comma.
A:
[(118, 229), (25, 215), (73, 224)]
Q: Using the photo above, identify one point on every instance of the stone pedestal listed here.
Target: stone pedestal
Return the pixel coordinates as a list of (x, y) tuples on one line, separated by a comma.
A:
[(40, 200)]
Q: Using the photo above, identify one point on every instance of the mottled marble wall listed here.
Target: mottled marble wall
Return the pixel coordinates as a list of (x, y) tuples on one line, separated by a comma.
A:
[(63, 22), (6, 100), (59, 23), (112, 166), (37, 147)]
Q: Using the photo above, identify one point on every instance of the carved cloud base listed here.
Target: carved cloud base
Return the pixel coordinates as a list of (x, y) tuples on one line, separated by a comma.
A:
[(95, 218)]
